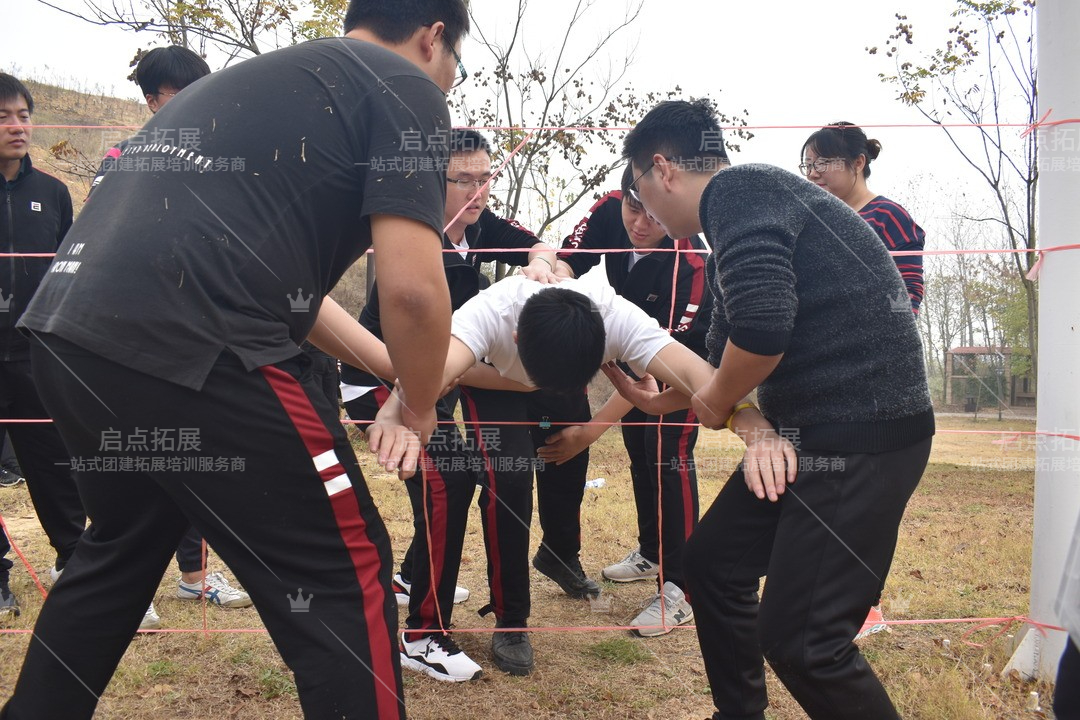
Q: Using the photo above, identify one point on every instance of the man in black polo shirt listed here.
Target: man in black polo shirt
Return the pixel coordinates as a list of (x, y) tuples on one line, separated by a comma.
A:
[(168, 331), (666, 279)]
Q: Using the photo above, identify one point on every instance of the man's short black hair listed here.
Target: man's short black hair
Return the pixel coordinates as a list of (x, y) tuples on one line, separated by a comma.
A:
[(11, 87), (560, 339), (171, 66), (395, 21), (685, 131), (467, 141)]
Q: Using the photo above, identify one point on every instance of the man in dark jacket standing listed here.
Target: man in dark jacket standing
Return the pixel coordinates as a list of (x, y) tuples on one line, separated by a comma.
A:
[(803, 315), (35, 214)]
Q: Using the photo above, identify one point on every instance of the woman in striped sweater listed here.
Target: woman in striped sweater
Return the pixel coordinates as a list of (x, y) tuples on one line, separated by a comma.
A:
[(837, 158)]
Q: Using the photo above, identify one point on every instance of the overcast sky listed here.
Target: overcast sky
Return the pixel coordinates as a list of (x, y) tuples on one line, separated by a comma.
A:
[(786, 62)]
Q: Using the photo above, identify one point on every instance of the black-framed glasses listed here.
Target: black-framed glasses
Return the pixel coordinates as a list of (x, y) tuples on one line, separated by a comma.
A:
[(463, 74), (822, 165), (632, 187)]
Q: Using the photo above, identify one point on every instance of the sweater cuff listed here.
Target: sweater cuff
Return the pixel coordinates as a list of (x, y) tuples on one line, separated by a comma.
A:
[(760, 342)]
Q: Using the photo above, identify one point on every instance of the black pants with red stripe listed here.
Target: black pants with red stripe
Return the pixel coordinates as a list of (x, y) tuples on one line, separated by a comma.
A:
[(663, 473), (506, 454), (260, 463), (440, 498)]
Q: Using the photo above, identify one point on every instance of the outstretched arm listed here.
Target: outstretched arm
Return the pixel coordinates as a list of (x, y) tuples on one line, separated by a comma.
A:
[(338, 334)]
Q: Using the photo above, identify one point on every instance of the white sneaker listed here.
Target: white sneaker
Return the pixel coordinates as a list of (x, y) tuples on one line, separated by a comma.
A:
[(632, 567), (55, 574), (402, 588), (150, 620), (439, 656), (217, 590), (667, 610)]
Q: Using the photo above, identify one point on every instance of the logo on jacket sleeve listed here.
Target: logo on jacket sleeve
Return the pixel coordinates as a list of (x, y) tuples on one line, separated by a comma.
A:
[(35, 206)]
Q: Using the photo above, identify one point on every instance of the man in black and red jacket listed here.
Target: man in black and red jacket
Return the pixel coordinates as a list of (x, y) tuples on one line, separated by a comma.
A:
[(35, 214), (474, 235), (666, 279)]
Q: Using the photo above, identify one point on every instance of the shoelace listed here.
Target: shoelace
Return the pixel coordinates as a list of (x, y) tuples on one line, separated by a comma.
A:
[(514, 638), (446, 642)]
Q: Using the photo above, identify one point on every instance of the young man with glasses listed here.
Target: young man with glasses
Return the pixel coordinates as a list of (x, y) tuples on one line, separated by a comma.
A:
[(805, 315), (666, 279), (178, 301), (474, 235)]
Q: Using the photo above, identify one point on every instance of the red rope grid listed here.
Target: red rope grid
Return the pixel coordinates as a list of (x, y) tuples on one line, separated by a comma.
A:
[(1005, 623)]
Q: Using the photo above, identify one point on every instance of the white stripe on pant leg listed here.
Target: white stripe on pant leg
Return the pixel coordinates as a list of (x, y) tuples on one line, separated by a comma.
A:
[(325, 460), (338, 484)]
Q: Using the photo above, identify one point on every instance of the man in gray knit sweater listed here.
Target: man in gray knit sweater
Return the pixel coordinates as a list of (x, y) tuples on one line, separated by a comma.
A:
[(808, 313)]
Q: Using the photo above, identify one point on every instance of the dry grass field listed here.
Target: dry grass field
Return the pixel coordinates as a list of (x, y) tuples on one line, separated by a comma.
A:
[(964, 552)]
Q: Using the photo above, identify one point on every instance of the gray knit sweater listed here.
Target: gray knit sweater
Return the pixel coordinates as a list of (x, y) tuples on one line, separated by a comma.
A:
[(795, 271)]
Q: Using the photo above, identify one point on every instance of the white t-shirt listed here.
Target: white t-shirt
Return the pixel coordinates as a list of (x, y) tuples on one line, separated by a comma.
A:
[(486, 324)]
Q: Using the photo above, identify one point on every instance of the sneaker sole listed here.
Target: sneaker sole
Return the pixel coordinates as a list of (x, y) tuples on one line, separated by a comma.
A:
[(418, 666), (660, 631), (603, 574), (403, 599), (512, 668), (231, 604)]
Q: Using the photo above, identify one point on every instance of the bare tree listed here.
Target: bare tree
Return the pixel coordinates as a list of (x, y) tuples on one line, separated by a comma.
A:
[(558, 97), (237, 28), (986, 67)]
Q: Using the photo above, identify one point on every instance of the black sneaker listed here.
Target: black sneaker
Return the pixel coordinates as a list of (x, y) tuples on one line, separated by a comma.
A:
[(10, 479), (512, 651), (568, 575), (9, 605)]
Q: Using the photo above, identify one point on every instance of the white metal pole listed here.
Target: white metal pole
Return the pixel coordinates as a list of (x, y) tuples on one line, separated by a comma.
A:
[(1057, 478)]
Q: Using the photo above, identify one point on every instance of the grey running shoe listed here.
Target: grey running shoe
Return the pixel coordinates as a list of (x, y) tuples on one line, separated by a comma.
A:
[(667, 610), (632, 567)]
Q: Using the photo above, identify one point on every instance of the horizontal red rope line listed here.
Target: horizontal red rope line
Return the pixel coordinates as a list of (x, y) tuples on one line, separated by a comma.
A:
[(599, 128), (981, 622), (703, 251), (612, 423)]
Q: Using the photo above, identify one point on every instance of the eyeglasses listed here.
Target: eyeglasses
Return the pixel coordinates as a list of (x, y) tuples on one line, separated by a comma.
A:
[(822, 165), (466, 183), (632, 187), (161, 92), (463, 74)]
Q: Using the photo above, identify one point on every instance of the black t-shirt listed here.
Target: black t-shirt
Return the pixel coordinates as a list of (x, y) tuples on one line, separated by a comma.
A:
[(237, 208)]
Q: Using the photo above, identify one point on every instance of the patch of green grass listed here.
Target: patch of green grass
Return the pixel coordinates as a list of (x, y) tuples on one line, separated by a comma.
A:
[(623, 651), (161, 669), (274, 683), (243, 656)]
